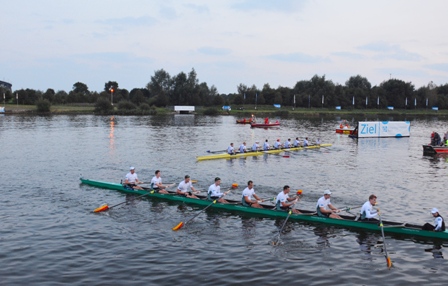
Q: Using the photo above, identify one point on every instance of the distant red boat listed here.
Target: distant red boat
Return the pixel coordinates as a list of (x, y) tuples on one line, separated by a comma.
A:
[(244, 121), (431, 150), (344, 131), (265, 125)]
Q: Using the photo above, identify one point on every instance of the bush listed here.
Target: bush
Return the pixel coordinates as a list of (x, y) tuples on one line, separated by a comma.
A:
[(43, 105), (144, 106), (103, 106), (281, 113), (126, 105), (211, 111)]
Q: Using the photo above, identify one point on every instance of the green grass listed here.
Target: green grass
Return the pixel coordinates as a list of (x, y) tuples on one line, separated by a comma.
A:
[(262, 110)]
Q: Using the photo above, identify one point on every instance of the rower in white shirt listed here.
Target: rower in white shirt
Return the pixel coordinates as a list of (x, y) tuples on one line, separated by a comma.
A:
[(243, 148), (266, 146), (214, 192), (277, 144), (231, 150)]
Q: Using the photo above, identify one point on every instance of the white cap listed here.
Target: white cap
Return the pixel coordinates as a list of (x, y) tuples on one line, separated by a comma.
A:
[(132, 168), (327, 192), (434, 210)]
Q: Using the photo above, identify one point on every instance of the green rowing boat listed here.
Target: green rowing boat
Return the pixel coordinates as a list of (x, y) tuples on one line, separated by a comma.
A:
[(257, 153), (391, 228)]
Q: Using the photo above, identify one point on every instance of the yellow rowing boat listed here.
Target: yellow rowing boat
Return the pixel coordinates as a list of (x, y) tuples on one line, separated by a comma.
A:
[(257, 153)]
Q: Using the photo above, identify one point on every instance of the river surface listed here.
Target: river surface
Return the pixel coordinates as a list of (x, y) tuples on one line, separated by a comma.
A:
[(50, 236)]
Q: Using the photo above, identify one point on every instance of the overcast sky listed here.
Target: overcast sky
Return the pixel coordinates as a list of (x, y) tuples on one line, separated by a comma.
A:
[(56, 43)]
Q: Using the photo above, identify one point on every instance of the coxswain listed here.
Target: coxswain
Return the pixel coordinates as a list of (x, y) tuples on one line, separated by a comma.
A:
[(439, 222)]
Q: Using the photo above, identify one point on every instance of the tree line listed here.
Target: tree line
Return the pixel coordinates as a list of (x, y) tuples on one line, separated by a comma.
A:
[(185, 89)]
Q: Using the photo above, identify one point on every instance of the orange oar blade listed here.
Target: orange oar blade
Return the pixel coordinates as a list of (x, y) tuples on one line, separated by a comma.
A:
[(234, 185), (179, 226), (389, 262), (101, 208)]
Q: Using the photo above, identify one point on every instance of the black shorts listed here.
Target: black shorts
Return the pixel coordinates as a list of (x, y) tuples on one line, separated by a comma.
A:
[(215, 198), (323, 215), (187, 193)]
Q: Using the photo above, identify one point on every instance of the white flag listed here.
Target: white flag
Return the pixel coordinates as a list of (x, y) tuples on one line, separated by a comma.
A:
[(322, 100), (366, 101), (17, 95), (353, 100), (426, 102), (406, 103), (294, 99), (415, 101), (378, 101)]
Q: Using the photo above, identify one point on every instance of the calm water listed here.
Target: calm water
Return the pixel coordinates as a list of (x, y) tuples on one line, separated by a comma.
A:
[(49, 235)]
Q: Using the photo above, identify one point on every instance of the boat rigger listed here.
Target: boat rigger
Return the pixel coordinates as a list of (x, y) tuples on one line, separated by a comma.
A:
[(389, 227)]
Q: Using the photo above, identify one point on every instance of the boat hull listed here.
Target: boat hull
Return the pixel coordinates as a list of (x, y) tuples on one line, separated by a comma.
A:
[(256, 153), (244, 121), (432, 150), (344, 131), (392, 228), (263, 125)]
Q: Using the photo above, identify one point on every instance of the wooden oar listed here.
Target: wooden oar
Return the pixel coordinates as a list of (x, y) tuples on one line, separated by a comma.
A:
[(388, 261), (106, 207), (181, 224)]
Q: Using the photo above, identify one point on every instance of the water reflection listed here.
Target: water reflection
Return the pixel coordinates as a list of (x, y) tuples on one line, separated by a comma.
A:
[(111, 133), (324, 233), (184, 120), (436, 251), (366, 242)]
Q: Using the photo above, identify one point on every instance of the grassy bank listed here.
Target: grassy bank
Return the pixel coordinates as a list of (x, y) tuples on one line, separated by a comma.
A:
[(240, 111)]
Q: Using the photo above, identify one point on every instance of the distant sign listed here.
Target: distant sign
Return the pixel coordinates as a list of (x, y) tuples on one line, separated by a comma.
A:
[(384, 129), (435, 108), (226, 107), (390, 107), (277, 105), (2, 110), (338, 107)]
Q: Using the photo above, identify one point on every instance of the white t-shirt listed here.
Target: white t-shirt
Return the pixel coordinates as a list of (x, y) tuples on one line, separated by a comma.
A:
[(322, 202), (287, 144), (305, 142), (156, 181), (255, 147), (367, 211), (281, 198), (266, 146), (184, 187), (249, 193), (132, 178), (438, 223), (242, 148), (230, 150), (215, 191), (277, 144), (296, 143)]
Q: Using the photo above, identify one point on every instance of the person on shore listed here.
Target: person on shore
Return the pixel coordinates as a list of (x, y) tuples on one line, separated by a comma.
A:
[(131, 179), (284, 203), (324, 208), (256, 147), (231, 149), (250, 199), (243, 148), (287, 143), (439, 222), (186, 188), (156, 183), (214, 192), (297, 142), (277, 144), (266, 146), (367, 212)]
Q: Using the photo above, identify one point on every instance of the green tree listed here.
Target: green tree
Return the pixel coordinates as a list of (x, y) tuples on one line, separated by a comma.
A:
[(81, 88)]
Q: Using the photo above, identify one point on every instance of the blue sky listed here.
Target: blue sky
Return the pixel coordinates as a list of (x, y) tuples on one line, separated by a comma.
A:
[(56, 43)]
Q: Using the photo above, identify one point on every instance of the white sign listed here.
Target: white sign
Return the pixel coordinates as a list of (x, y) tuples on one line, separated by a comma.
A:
[(370, 129)]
